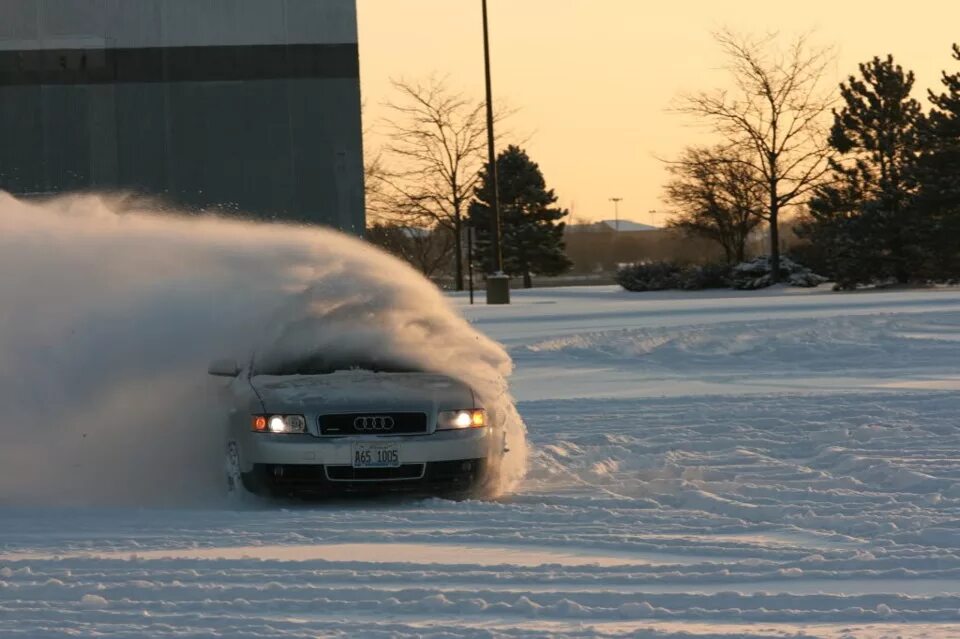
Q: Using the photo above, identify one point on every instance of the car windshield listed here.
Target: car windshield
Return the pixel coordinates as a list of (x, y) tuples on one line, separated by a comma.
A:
[(324, 364)]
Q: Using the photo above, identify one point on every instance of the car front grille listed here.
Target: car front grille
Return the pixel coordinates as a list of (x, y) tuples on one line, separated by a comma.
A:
[(372, 423), (349, 473)]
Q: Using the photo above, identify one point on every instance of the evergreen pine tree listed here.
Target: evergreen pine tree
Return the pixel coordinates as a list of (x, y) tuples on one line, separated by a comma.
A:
[(532, 231), (938, 198), (863, 216)]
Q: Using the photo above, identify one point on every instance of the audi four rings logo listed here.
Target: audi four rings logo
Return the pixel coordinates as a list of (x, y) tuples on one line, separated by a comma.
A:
[(373, 422)]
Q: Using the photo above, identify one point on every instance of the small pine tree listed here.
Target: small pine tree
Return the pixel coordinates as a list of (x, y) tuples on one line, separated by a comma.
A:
[(938, 174), (863, 217), (531, 239)]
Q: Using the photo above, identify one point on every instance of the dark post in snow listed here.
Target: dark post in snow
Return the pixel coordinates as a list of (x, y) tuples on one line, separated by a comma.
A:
[(470, 256), (498, 284)]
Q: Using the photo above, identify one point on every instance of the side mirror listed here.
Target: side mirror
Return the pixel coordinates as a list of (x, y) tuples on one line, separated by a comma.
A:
[(224, 368)]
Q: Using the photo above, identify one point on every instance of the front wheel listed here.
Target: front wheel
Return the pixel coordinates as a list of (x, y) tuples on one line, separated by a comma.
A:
[(241, 484)]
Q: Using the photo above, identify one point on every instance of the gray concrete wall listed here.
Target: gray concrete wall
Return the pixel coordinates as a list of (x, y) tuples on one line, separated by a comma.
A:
[(58, 24), (236, 104)]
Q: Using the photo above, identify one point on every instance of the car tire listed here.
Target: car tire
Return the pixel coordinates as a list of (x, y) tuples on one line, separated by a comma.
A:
[(255, 484)]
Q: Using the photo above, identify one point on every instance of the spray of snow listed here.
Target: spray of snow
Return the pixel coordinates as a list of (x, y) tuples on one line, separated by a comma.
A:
[(111, 312)]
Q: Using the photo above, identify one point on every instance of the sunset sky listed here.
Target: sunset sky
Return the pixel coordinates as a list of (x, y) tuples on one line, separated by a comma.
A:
[(593, 79)]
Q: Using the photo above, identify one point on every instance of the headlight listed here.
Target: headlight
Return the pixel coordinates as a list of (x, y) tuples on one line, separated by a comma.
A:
[(457, 419), (279, 424)]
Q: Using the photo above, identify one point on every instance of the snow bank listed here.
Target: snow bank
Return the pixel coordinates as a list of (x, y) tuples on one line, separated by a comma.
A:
[(111, 312)]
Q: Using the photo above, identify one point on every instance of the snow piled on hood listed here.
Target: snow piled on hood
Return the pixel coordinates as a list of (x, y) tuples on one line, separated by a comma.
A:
[(112, 309)]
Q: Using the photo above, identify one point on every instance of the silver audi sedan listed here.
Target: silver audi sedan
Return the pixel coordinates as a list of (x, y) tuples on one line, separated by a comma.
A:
[(314, 427)]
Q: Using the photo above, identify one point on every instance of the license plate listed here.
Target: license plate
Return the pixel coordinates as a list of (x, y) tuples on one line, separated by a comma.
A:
[(376, 455)]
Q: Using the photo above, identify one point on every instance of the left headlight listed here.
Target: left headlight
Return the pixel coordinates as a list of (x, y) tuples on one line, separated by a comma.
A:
[(279, 424), (458, 419)]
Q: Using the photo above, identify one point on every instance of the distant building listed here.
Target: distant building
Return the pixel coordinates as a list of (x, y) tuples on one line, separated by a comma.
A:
[(251, 105), (621, 226), (628, 226)]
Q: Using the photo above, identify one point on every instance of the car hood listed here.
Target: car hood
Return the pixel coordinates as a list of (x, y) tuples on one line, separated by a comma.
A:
[(348, 391)]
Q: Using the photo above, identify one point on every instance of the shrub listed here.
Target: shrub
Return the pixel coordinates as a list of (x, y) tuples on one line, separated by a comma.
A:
[(649, 276), (815, 257), (702, 276), (757, 273), (659, 276)]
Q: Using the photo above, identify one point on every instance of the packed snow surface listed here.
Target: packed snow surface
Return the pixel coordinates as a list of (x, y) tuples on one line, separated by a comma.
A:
[(763, 464)]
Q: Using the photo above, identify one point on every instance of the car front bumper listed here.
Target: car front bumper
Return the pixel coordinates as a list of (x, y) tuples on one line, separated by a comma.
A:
[(459, 477), (449, 461), (448, 445)]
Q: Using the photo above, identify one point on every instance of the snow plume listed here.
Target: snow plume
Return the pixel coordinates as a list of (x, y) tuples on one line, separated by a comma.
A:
[(110, 313)]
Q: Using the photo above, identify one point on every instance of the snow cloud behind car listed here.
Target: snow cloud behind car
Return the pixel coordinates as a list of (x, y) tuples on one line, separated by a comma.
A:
[(112, 310)]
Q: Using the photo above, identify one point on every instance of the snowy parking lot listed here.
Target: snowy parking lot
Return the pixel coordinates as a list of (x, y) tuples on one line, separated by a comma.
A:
[(762, 464)]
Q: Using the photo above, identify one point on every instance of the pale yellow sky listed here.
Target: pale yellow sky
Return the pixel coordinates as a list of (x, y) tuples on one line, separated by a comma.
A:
[(593, 79)]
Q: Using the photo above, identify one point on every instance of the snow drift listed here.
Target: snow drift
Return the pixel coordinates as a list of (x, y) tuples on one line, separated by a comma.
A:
[(111, 312)]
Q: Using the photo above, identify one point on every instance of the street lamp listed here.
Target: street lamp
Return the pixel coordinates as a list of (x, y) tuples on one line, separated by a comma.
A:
[(616, 211), (498, 284)]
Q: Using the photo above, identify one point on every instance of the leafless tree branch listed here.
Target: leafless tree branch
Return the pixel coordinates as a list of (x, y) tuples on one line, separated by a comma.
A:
[(436, 146), (775, 119)]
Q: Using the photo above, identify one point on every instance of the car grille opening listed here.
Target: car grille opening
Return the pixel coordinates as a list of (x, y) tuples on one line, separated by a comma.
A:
[(372, 423), (349, 473), (319, 480)]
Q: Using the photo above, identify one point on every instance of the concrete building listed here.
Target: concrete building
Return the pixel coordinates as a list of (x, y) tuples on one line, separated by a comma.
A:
[(251, 105)]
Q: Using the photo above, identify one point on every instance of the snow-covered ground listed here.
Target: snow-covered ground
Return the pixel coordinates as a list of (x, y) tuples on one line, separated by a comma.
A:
[(764, 464)]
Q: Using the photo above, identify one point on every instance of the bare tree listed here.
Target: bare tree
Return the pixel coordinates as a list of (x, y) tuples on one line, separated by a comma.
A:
[(717, 196), (373, 186), (436, 145), (773, 118), (427, 250)]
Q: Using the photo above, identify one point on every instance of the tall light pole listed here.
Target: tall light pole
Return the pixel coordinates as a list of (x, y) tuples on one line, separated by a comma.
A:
[(498, 284), (616, 211)]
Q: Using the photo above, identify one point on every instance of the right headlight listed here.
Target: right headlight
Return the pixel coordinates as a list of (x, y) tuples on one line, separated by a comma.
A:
[(460, 419)]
